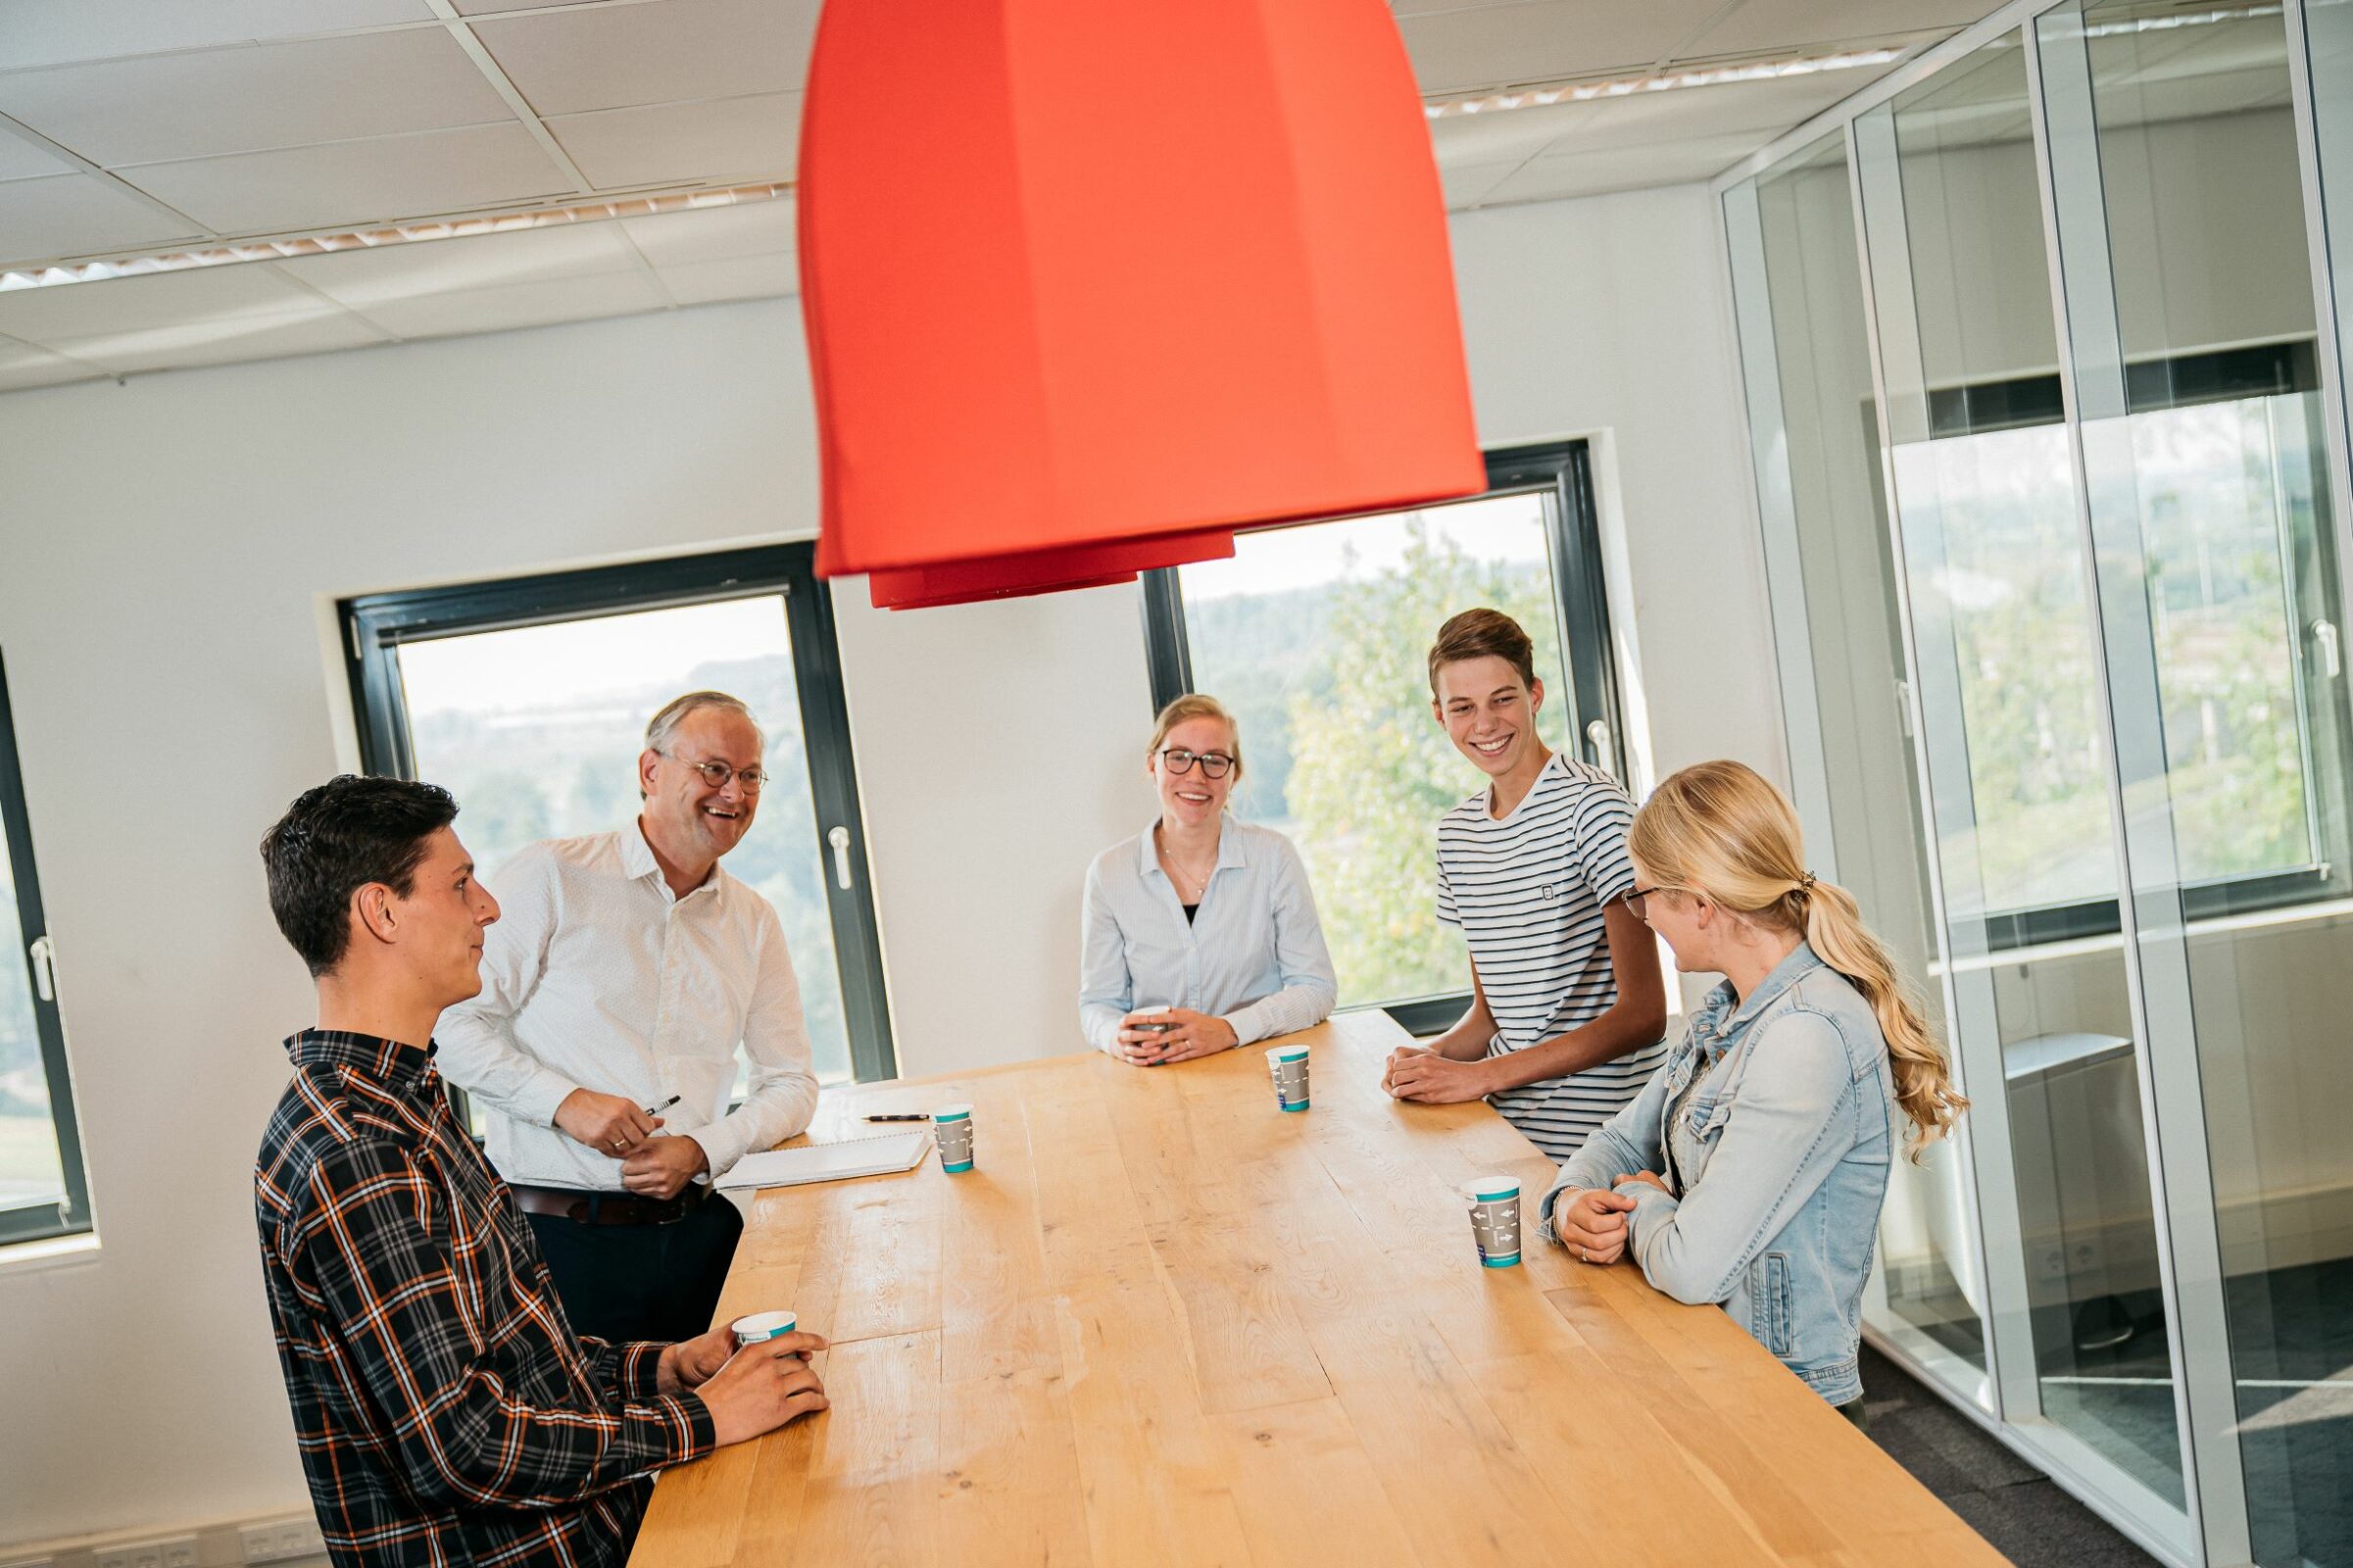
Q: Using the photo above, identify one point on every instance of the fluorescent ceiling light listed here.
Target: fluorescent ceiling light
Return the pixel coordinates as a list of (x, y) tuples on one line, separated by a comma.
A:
[(1629, 86), (277, 250)]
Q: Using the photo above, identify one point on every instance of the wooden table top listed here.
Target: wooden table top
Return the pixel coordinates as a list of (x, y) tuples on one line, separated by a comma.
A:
[(1164, 1323)]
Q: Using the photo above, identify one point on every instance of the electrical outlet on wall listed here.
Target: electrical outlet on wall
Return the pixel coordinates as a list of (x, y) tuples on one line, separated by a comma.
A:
[(281, 1539), (173, 1551)]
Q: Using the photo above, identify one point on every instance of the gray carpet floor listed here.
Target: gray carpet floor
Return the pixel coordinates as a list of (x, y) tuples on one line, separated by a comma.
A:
[(2011, 1503)]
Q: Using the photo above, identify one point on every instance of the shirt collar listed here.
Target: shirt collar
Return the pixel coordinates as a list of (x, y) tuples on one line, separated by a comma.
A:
[(1231, 851), (387, 1060), (637, 860), (1723, 1013)]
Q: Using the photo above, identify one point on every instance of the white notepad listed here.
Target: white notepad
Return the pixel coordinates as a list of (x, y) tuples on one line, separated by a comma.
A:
[(878, 1155)]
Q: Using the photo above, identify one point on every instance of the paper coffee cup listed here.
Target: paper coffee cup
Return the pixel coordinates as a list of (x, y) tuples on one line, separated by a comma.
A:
[(951, 1130), (1287, 1066), (762, 1326), (1495, 1206)]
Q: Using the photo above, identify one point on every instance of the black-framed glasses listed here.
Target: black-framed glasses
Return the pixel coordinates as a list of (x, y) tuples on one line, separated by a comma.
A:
[(717, 774), (1634, 899), (1214, 764)]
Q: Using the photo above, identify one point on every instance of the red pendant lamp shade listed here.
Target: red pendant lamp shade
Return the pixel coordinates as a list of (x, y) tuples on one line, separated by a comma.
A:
[(1090, 283)]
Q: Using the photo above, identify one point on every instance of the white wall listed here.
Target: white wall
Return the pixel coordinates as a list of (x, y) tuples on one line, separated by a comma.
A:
[(166, 542)]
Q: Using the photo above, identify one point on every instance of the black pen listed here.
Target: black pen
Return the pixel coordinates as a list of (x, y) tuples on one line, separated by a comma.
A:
[(902, 1115), (656, 1110)]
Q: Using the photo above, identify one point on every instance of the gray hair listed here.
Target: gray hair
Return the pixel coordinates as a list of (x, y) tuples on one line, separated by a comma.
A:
[(664, 723)]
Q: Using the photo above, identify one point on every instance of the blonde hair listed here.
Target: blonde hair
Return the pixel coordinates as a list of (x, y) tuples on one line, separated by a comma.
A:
[(1719, 830), (1194, 705)]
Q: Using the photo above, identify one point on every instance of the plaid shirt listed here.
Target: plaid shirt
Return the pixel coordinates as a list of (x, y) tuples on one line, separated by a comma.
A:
[(445, 1411)]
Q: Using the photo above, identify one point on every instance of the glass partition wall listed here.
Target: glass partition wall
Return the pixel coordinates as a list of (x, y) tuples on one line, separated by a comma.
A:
[(2044, 395)]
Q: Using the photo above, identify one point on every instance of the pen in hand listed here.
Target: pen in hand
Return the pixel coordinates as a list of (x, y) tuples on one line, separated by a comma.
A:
[(656, 1110)]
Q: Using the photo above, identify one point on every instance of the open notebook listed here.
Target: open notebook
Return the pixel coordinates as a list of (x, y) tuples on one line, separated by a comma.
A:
[(830, 1162)]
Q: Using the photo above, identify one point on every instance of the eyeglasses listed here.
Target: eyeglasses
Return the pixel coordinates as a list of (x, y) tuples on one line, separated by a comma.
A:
[(717, 774), (1214, 764), (1634, 901)]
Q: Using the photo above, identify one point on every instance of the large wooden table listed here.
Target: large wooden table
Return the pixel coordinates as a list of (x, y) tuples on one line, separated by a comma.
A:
[(1163, 1322)]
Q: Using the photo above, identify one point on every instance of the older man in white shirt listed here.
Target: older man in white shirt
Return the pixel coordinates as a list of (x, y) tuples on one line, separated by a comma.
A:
[(627, 973)]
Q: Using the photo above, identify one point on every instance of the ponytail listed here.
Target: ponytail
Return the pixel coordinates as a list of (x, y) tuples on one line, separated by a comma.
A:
[(1924, 1088), (1721, 828)]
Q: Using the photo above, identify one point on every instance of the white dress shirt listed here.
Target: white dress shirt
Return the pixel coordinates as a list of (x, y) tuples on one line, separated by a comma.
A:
[(596, 977), (1254, 952)]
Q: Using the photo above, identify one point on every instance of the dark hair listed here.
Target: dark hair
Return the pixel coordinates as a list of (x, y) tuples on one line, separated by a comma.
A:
[(335, 840), (1483, 635)]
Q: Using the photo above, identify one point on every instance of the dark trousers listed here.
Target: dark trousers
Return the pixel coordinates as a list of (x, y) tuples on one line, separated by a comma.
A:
[(641, 1282)]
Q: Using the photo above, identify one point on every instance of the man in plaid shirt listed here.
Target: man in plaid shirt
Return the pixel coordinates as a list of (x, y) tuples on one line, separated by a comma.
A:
[(446, 1412)]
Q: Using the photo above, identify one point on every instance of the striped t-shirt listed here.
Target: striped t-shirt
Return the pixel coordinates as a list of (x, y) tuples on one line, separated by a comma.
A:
[(1528, 892)]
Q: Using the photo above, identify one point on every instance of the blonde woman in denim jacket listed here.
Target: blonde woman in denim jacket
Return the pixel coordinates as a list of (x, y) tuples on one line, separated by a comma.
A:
[(1752, 1169)]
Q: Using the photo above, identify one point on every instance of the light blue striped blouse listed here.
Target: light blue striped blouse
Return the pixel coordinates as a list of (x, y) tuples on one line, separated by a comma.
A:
[(1252, 955)]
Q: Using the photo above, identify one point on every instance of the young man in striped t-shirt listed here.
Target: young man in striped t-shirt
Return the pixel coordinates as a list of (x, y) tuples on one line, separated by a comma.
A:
[(1567, 1003)]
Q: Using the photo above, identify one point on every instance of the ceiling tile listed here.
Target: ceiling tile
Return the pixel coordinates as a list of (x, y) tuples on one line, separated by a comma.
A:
[(47, 32), (1546, 40), (1466, 184), (388, 180), (715, 233), (1810, 27), (220, 342), (235, 291), (738, 139), (78, 215), (740, 277), (1592, 174), (484, 8), (23, 366), (365, 279), (492, 310), (197, 105), (568, 62), (20, 159)]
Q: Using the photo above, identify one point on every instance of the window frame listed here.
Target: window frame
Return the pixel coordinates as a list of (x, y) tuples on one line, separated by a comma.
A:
[(375, 625), (1560, 469), (71, 1215), (2289, 367)]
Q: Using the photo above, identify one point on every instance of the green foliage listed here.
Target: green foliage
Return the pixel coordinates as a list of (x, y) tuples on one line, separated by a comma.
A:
[(1371, 770)]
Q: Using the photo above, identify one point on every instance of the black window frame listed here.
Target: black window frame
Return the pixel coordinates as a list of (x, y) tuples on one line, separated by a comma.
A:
[(69, 1216), (375, 625), (1560, 469)]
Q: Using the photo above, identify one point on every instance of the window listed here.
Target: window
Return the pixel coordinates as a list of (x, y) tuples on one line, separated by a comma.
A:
[(1315, 635), (43, 1192), (528, 700)]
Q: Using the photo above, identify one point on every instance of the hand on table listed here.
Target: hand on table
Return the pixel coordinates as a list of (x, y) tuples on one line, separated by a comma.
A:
[(691, 1363), (661, 1167), (607, 1123), (1592, 1224), (1190, 1034), (1418, 1073), (761, 1387)]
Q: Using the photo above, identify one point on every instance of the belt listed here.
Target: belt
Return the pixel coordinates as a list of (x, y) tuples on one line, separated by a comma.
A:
[(609, 1209)]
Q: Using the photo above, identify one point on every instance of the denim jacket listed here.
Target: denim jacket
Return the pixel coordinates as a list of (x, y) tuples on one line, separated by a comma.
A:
[(1772, 1123)]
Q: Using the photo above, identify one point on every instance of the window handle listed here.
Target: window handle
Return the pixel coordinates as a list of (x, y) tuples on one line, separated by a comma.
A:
[(2324, 632), (839, 837), (1596, 735), (43, 954)]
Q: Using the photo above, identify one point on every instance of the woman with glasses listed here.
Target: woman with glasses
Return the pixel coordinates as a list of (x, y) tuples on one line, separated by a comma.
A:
[(1199, 933), (1750, 1169)]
